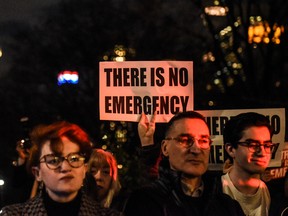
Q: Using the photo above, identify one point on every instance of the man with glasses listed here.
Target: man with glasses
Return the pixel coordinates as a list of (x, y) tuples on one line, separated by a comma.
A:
[(182, 188), (58, 158), (247, 138)]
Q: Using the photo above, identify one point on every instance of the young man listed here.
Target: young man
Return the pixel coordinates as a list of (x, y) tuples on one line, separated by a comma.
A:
[(181, 188), (247, 138), (58, 160)]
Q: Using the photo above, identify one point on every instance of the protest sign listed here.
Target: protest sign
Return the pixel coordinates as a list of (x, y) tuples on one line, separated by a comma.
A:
[(216, 120), (129, 88), (278, 172)]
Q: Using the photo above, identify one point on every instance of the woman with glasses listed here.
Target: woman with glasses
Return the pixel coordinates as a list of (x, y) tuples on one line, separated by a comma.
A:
[(248, 144), (58, 159)]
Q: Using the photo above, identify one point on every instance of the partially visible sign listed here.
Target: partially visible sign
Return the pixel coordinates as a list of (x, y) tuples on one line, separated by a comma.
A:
[(216, 120), (278, 172)]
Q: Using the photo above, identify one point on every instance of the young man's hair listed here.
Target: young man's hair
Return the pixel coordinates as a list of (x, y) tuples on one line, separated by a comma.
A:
[(234, 128)]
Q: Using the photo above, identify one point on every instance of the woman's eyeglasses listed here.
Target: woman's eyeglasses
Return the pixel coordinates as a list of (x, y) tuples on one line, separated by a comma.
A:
[(53, 162)]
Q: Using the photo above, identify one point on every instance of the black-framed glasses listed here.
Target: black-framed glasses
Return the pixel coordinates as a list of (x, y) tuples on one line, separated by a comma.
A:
[(188, 141), (53, 162), (255, 146)]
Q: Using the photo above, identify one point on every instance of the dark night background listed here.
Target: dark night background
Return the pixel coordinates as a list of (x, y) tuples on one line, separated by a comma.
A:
[(39, 41)]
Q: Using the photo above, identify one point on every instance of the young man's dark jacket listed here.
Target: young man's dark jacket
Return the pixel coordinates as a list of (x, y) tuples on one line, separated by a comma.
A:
[(165, 197)]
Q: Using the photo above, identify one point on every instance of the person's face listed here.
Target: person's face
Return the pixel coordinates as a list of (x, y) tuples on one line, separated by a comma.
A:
[(63, 183), (252, 162), (192, 161), (103, 178)]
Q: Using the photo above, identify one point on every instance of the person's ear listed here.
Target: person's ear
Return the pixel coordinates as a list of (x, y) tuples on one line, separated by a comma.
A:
[(230, 150), (36, 173), (165, 148)]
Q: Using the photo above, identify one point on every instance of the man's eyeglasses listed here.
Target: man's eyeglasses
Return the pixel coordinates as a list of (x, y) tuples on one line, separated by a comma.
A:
[(188, 141), (53, 162), (255, 146)]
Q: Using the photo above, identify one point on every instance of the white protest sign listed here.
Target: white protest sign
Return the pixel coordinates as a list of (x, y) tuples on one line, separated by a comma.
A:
[(216, 120), (129, 88)]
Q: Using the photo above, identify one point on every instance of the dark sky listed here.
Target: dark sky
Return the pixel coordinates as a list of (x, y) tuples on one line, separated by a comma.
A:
[(23, 10), (21, 13)]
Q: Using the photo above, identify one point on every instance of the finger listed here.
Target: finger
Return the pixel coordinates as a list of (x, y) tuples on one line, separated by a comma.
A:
[(153, 118), (143, 119)]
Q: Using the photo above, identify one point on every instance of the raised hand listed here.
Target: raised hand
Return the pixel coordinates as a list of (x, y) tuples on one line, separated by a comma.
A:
[(146, 129)]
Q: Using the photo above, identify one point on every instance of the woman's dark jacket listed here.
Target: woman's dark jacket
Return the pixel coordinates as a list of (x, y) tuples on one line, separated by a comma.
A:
[(36, 207)]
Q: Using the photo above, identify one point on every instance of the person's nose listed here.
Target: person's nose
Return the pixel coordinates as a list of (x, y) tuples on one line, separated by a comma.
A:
[(260, 150), (195, 147), (65, 166), (98, 175)]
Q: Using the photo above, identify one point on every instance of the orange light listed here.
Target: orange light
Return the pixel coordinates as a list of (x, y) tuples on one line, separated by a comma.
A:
[(259, 31)]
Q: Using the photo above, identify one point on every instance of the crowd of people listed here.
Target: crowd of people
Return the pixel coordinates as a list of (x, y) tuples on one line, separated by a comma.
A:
[(73, 178)]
